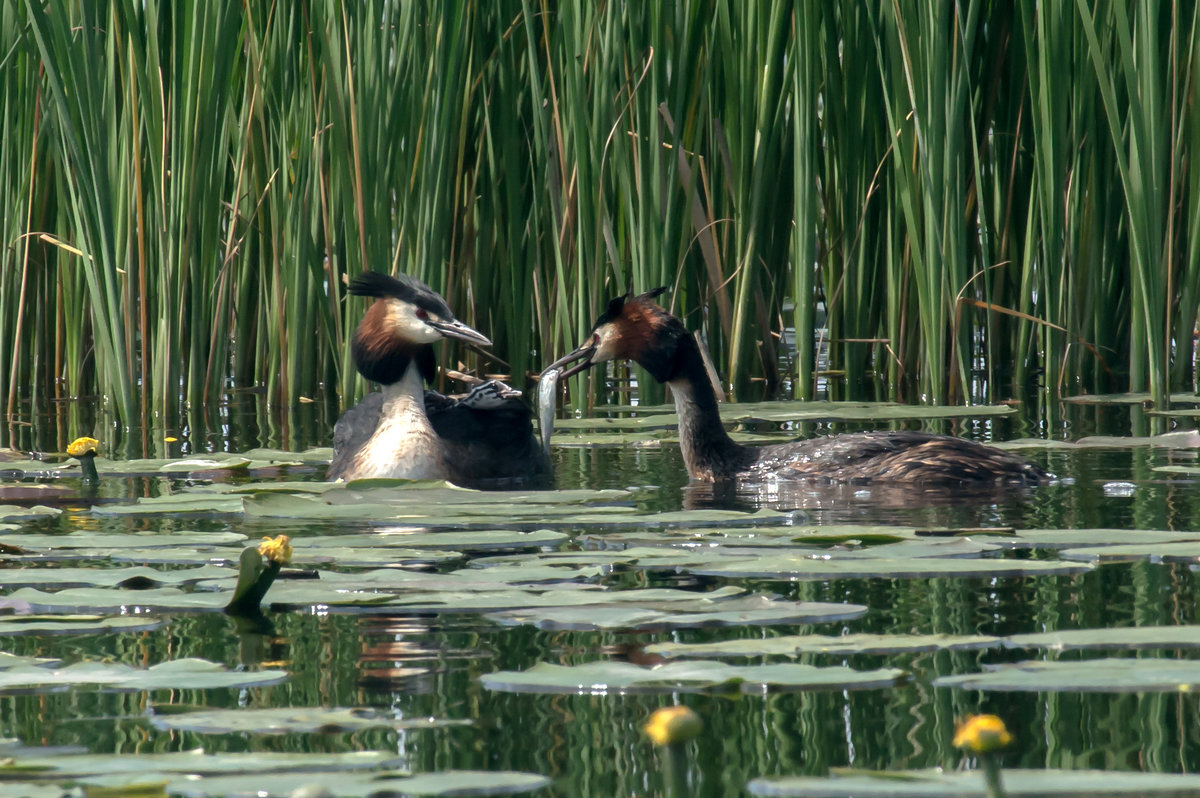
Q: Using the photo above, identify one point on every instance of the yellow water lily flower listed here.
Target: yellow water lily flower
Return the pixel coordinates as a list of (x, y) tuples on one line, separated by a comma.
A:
[(278, 549), (672, 725), (81, 446), (982, 734)]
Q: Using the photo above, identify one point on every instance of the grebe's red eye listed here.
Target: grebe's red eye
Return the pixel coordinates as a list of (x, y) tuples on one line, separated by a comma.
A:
[(595, 338), (422, 314)]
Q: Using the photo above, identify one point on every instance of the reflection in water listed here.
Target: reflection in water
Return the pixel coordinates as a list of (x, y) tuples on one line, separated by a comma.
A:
[(879, 503)]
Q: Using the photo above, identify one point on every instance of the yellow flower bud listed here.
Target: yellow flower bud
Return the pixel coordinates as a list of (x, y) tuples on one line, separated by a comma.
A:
[(277, 549), (982, 734), (672, 725), (81, 446)]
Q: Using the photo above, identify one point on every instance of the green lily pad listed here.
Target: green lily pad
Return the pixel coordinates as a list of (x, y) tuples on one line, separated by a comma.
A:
[(96, 599), (352, 785), (13, 512), (175, 504), (747, 611), (14, 625), (286, 720), (1122, 638), (18, 661), (142, 766), (796, 567), (691, 676), (845, 645), (98, 540), (407, 537), (113, 577), (1131, 552), (196, 674), (1056, 539), (970, 784), (1125, 675)]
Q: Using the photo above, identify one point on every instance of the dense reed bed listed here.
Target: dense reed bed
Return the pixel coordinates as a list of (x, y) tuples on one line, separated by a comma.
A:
[(967, 198)]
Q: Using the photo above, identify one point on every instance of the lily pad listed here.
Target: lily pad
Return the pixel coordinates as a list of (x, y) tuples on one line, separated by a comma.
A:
[(285, 720), (97, 540), (1122, 638), (1131, 552), (747, 611), (360, 785), (175, 504), (14, 625), (796, 567), (12, 512), (1124, 675), (845, 645), (970, 784), (407, 537), (692, 676), (197, 763), (137, 577), (196, 674)]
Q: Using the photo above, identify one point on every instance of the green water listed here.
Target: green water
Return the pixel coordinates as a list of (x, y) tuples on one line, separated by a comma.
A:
[(592, 744)]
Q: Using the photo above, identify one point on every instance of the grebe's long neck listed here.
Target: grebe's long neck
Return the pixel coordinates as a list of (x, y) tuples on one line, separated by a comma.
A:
[(708, 451), (404, 444)]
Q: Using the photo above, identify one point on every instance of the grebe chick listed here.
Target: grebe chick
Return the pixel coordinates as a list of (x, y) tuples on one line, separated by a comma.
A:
[(484, 439), (635, 328)]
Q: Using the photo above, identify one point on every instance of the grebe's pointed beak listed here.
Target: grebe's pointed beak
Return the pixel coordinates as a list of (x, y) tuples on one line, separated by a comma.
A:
[(583, 354), (456, 329)]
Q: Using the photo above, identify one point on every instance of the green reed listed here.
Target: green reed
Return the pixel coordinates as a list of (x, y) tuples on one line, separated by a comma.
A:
[(973, 197)]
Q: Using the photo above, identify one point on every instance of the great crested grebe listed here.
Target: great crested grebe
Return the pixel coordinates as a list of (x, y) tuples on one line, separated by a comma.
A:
[(635, 328), (484, 439)]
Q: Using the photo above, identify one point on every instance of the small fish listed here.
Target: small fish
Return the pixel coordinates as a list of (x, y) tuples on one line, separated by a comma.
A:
[(547, 399)]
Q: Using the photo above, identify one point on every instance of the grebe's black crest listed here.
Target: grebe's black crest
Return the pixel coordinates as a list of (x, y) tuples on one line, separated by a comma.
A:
[(635, 328), (404, 288)]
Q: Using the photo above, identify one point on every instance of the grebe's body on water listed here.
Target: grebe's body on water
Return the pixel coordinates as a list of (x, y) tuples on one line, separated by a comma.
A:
[(635, 328), (484, 439)]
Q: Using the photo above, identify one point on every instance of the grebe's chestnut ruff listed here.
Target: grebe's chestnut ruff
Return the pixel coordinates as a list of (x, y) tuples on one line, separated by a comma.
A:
[(484, 439), (635, 328)]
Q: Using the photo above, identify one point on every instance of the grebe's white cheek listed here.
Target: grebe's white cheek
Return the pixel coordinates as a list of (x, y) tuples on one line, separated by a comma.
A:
[(606, 348), (404, 323)]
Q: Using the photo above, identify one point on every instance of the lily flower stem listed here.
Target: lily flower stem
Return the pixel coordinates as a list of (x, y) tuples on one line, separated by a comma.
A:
[(991, 775), (675, 770)]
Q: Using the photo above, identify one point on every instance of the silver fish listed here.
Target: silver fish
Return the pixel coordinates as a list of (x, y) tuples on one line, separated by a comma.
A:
[(547, 400)]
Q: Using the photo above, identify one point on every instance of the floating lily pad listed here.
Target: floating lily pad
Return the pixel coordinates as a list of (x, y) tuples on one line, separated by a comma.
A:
[(12, 512), (1123, 638), (18, 661), (970, 784), (196, 674), (691, 676), (135, 577), (1125, 675), (95, 599), (1052, 539), (356, 785), (795, 567), (139, 766), (473, 540), (13, 625), (845, 645), (285, 720), (97, 540), (175, 504), (1131, 552), (747, 611)]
